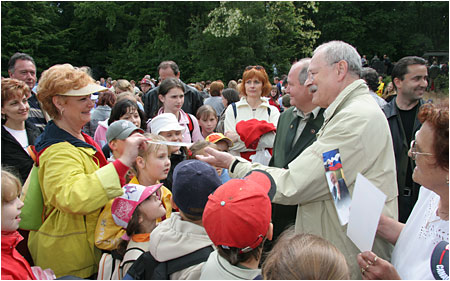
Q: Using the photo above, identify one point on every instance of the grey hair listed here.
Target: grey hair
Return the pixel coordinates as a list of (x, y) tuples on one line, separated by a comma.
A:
[(335, 51), (18, 56), (303, 74)]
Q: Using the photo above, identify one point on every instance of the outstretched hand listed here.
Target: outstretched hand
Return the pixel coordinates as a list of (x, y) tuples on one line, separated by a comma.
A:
[(216, 158)]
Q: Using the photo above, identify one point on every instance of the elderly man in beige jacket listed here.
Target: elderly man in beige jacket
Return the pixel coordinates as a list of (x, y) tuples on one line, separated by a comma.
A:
[(355, 125)]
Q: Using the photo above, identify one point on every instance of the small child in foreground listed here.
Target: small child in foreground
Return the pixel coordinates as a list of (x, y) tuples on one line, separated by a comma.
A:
[(237, 219)]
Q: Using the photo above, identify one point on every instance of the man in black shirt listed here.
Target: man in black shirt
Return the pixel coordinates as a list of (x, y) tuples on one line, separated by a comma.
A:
[(409, 77)]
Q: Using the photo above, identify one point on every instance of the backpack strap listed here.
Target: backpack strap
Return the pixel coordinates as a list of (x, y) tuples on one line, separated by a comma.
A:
[(130, 256), (190, 124), (142, 268), (191, 259), (147, 268)]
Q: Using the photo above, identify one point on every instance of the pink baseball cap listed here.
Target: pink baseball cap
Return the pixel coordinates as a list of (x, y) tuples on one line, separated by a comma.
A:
[(133, 194)]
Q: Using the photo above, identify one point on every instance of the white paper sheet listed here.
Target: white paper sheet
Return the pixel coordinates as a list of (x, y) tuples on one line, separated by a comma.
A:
[(365, 211)]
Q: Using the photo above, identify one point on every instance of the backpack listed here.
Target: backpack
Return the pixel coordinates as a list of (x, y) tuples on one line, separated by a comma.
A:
[(146, 267), (111, 264), (235, 110), (33, 213)]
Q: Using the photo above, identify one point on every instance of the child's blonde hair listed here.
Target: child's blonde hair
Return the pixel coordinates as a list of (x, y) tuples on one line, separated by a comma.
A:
[(150, 148), (11, 186), (301, 256), (198, 148)]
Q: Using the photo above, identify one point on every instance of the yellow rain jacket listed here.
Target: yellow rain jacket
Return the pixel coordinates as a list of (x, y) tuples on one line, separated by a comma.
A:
[(74, 190)]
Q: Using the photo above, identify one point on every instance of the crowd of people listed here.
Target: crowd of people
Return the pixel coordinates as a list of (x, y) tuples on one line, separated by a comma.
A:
[(168, 180)]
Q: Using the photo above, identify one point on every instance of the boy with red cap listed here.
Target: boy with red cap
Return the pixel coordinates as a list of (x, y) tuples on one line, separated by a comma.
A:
[(237, 220)]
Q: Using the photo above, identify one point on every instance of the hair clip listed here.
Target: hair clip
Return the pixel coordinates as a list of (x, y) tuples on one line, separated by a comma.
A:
[(189, 152)]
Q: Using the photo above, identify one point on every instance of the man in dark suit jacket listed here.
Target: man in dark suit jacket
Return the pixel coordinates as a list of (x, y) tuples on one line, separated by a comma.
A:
[(291, 139), (192, 98)]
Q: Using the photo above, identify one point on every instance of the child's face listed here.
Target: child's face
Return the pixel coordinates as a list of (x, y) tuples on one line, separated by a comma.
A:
[(10, 214), (132, 115), (151, 209), (157, 165), (173, 100), (222, 146), (208, 124), (174, 136)]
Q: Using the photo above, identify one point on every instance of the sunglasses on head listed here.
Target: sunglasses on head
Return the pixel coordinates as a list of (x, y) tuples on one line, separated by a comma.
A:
[(257, 67)]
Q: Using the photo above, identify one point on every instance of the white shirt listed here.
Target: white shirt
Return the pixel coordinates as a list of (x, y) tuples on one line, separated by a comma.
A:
[(422, 232), (20, 136)]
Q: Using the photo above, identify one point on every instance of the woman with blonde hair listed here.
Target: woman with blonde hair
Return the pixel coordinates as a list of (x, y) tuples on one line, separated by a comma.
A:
[(298, 256), (75, 178), (254, 87)]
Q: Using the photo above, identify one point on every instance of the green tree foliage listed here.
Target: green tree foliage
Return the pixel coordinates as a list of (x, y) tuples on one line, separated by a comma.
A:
[(211, 40), (397, 29)]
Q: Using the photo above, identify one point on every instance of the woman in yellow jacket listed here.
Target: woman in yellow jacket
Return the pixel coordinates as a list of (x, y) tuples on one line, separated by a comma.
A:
[(75, 178)]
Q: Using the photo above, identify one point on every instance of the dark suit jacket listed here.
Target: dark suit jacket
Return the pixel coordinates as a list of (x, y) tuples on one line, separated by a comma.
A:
[(282, 215)]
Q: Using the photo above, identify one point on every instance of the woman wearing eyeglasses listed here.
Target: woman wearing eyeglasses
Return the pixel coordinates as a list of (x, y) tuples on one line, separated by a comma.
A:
[(415, 242), (254, 87)]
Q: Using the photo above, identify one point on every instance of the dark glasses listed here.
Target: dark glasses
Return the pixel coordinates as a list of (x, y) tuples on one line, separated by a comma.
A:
[(257, 67)]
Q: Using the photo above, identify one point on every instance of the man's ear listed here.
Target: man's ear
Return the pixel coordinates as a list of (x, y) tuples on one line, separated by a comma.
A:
[(397, 82), (269, 234), (342, 69), (178, 75)]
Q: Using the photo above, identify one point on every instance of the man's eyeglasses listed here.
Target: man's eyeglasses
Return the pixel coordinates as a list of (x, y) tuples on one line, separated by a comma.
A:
[(257, 67), (414, 152)]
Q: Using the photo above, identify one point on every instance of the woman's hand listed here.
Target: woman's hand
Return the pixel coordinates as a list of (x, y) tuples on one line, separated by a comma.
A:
[(216, 158), (373, 267), (132, 145)]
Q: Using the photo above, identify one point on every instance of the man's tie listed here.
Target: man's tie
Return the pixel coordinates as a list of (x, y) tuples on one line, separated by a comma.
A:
[(292, 132)]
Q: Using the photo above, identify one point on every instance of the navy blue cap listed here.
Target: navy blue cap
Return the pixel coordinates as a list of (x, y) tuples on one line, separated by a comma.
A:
[(193, 182)]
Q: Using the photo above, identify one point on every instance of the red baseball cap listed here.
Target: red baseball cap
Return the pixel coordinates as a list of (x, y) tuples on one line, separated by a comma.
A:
[(238, 213)]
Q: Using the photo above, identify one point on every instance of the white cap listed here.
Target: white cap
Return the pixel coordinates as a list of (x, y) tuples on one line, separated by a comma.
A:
[(165, 122), (86, 90)]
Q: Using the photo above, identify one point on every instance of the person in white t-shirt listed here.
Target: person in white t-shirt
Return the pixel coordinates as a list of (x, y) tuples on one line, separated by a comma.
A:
[(17, 132), (428, 224)]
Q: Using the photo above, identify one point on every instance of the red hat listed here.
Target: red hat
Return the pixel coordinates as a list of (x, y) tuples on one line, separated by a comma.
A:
[(251, 131), (238, 213), (145, 81), (215, 137)]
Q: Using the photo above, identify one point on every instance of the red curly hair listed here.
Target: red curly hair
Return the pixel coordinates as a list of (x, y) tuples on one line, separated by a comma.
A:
[(437, 118)]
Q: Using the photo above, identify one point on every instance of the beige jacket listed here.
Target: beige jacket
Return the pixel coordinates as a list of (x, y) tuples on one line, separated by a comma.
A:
[(354, 124)]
